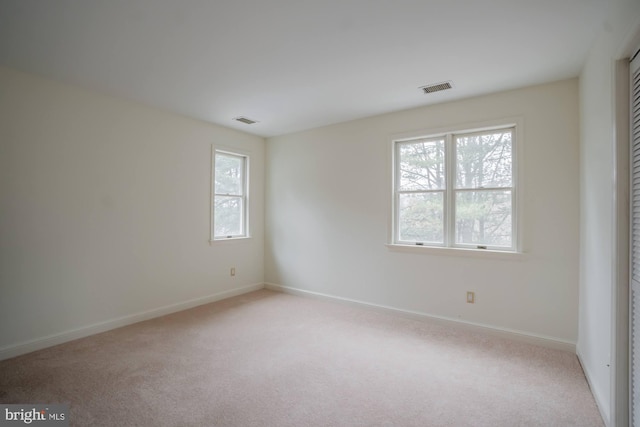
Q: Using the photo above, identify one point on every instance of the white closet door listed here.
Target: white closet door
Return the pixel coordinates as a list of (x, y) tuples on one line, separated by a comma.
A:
[(634, 309)]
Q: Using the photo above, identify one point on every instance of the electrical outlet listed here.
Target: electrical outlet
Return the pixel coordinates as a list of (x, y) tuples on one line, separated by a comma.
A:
[(471, 297), (232, 272)]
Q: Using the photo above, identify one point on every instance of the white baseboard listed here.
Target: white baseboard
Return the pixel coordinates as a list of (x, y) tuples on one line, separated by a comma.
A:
[(597, 395), (522, 336), (62, 337)]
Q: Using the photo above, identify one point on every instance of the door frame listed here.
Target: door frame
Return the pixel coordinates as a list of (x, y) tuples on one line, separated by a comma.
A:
[(621, 228), (620, 298)]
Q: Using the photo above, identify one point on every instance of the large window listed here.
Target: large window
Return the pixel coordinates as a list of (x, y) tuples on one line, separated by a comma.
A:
[(230, 171), (456, 190)]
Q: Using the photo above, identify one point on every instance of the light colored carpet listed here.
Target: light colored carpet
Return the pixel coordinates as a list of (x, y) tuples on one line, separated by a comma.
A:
[(272, 359)]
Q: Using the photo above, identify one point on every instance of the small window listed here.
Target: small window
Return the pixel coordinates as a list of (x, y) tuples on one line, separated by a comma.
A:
[(230, 172), (456, 190)]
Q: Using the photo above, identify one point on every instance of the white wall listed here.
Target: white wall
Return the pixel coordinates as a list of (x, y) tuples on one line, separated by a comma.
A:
[(104, 210), (327, 217), (596, 198)]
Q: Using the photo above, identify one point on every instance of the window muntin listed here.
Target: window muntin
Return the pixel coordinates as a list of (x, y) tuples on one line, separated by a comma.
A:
[(229, 195), (456, 190)]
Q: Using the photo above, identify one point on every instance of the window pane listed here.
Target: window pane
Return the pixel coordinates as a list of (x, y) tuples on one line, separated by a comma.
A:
[(227, 216), (483, 217), (484, 160), (420, 217), (421, 166), (229, 174)]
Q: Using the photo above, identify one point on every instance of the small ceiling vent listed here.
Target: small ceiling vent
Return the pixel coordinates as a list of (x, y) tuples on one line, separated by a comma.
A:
[(436, 87), (245, 120)]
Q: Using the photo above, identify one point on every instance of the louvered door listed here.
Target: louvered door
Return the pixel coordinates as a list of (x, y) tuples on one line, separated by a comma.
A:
[(634, 309)]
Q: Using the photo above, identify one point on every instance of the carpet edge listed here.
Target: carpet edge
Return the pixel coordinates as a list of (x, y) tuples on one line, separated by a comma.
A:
[(107, 325), (522, 336), (597, 395)]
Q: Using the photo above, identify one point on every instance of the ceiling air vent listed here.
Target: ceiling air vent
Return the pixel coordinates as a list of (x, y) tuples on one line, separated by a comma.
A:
[(436, 87), (245, 120)]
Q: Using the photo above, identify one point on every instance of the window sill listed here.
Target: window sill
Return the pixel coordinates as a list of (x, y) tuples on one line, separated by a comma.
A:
[(230, 240), (472, 253)]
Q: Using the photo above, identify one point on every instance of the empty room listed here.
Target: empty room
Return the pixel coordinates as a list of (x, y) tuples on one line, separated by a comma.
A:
[(319, 213)]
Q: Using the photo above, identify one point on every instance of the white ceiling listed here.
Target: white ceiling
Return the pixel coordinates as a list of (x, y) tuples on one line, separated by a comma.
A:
[(297, 64)]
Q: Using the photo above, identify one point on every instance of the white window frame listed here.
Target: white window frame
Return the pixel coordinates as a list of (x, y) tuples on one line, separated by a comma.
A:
[(245, 223), (449, 246)]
